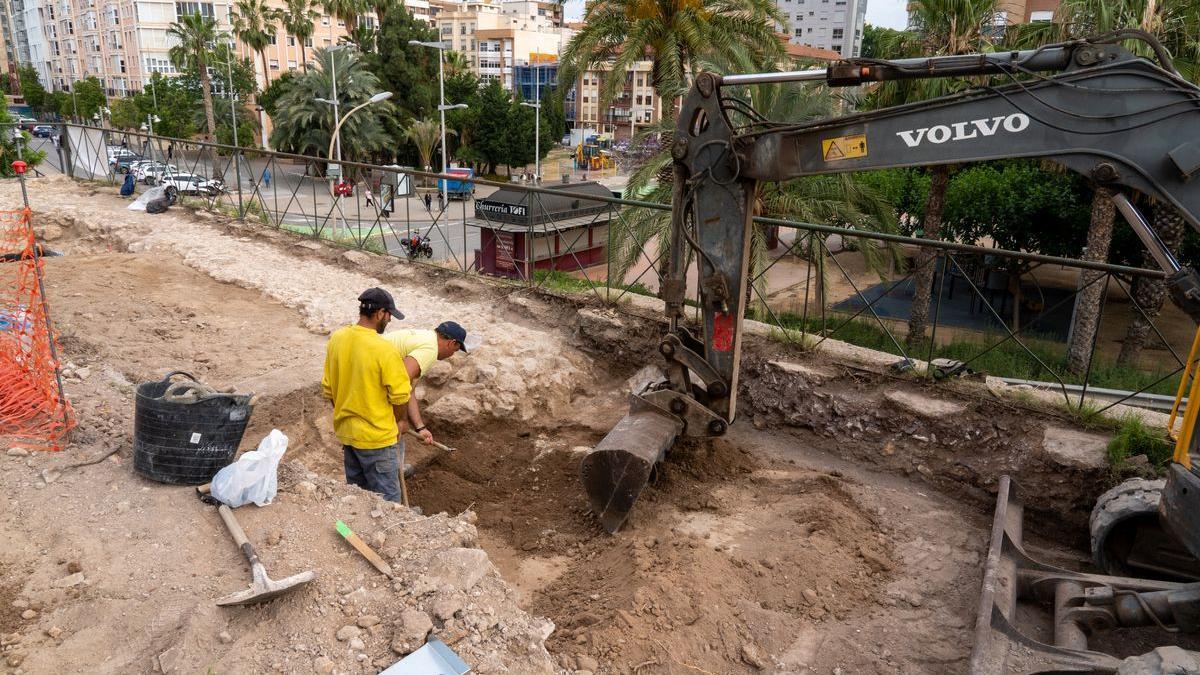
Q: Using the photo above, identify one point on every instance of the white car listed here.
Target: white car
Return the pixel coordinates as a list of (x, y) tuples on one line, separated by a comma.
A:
[(151, 172), (115, 151), (191, 184)]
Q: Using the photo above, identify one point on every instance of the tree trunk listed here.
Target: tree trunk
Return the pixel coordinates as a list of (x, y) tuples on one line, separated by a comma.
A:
[(206, 90), (266, 73), (1150, 294), (918, 318), (303, 52), (1087, 304)]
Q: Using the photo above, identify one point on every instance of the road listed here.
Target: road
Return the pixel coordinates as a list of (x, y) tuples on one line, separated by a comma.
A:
[(303, 202)]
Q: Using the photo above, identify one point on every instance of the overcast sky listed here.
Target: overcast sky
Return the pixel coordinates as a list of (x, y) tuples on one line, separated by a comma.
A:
[(886, 13)]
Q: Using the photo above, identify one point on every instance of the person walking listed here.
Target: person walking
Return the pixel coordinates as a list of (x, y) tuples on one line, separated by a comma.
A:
[(419, 349), (266, 178), (170, 151), (370, 198), (367, 383), (428, 202)]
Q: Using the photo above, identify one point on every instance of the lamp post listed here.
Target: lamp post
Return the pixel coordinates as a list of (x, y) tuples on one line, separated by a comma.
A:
[(537, 118), (442, 107), (336, 138), (148, 126), (333, 101)]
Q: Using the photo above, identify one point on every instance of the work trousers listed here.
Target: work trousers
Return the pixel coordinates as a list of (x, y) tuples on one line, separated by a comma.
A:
[(375, 470)]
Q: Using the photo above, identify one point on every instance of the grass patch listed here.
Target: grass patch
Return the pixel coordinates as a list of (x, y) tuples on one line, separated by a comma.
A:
[(1135, 438), (371, 244), (1005, 360), (557, 280)]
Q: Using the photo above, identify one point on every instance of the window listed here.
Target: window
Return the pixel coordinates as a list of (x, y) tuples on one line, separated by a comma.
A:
[(811, 14), (324, 21), (291, 41), (837, 34), (272, 38), (308, 42), (810, 29), (799, 31), (1041, 17), (585, 99), (274, 64), (201, 8), (291, 64), (447, 30), (462, 29)]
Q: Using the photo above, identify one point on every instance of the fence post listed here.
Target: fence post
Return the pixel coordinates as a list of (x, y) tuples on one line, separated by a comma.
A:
[(237, 176), (64, 153)]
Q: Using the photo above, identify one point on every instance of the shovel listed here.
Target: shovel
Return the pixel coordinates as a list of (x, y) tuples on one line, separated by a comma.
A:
[(262, 588)]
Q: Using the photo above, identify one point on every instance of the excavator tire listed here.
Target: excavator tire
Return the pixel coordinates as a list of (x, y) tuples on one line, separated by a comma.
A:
[(1128, 539)]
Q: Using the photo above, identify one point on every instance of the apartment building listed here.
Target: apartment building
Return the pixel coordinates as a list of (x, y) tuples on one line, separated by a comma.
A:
[(833, 25), (496, 37), (1010, 13), (634, 105), (120, 42)]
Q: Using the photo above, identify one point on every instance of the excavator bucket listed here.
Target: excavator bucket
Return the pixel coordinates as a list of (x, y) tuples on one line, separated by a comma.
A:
[(618, 468)]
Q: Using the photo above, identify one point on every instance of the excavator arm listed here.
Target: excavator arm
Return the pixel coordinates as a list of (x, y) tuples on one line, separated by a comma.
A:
[(1091, 106)]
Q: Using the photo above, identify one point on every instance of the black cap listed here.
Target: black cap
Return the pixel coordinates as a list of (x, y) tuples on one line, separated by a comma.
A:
[(374, 299), (453, 331)]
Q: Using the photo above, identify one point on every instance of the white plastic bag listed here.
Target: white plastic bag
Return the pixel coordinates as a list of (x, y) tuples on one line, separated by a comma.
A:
[(139, 204), (253, 477)]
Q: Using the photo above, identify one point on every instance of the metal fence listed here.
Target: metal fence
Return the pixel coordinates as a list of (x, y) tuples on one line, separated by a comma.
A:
[(812, 287)]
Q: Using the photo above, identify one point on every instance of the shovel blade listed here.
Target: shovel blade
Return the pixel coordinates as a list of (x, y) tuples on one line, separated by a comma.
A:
[(617, 469), (263, 589)]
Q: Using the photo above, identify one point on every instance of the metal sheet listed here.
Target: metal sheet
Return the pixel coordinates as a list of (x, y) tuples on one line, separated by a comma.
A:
[(435, 658)]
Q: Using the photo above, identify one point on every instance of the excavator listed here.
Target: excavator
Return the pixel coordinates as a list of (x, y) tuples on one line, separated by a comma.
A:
[(1127, 122)]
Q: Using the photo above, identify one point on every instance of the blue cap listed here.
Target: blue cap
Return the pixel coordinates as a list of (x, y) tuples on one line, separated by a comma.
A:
[(452, 331)]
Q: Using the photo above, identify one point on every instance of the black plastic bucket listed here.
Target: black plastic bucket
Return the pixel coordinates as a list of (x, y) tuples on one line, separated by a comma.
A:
[(186, 443)]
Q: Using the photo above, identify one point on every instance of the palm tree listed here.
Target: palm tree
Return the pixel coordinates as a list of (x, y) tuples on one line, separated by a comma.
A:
[(456, 63), (1150, 294), (297, 17), (346, 11), (674, 34), (254, 25), (944, 27), (426, 135), (196, 36), (1175, 24), (362, 37), (304, 126)]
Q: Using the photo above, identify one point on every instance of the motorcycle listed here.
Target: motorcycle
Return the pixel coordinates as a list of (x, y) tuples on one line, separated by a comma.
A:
[(416, 247)]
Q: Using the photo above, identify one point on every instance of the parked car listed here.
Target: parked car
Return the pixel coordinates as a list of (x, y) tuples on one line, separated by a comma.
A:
[(120, 163), (150, 172), (27, 123), (191, 184), (44, 131)]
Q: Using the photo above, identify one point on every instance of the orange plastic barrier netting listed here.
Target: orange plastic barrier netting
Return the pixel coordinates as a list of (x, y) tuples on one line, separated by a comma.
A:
[(34, 412)]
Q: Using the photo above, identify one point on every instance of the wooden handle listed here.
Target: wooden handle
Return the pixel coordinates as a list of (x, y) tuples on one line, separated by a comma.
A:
[(231, 523), (439, 446)]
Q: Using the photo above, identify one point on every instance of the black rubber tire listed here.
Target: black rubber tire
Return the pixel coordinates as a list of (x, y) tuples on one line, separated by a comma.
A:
[(1118, 512)]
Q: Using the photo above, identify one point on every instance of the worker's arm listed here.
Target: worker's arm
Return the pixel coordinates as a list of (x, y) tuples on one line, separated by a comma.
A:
[(399, 388), (414, 410)]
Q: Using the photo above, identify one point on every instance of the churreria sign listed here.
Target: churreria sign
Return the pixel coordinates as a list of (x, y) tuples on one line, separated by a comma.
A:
[(500, 209), (961, 131)]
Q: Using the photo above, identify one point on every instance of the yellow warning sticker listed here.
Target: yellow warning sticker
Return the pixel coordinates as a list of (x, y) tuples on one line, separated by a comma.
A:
[(844, 147)]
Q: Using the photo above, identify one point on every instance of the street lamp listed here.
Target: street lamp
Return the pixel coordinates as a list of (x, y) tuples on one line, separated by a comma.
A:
[(381, 96), (537, 120), (442, 107), (335, 139), (148, 125)]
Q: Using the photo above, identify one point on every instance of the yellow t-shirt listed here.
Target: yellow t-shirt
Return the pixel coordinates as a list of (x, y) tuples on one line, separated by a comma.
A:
[(364, 377), (419, 344)]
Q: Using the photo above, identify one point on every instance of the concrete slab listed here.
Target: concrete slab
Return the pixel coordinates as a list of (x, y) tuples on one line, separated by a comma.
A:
[(1074, 448), (922, 405), (814, 374)]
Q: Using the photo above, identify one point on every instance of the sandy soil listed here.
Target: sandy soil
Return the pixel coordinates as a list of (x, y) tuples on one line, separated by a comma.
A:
[(796, 544)]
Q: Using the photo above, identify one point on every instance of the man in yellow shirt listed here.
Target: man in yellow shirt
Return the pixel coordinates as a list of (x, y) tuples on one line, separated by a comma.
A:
[(366, 380), (419, 349)]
